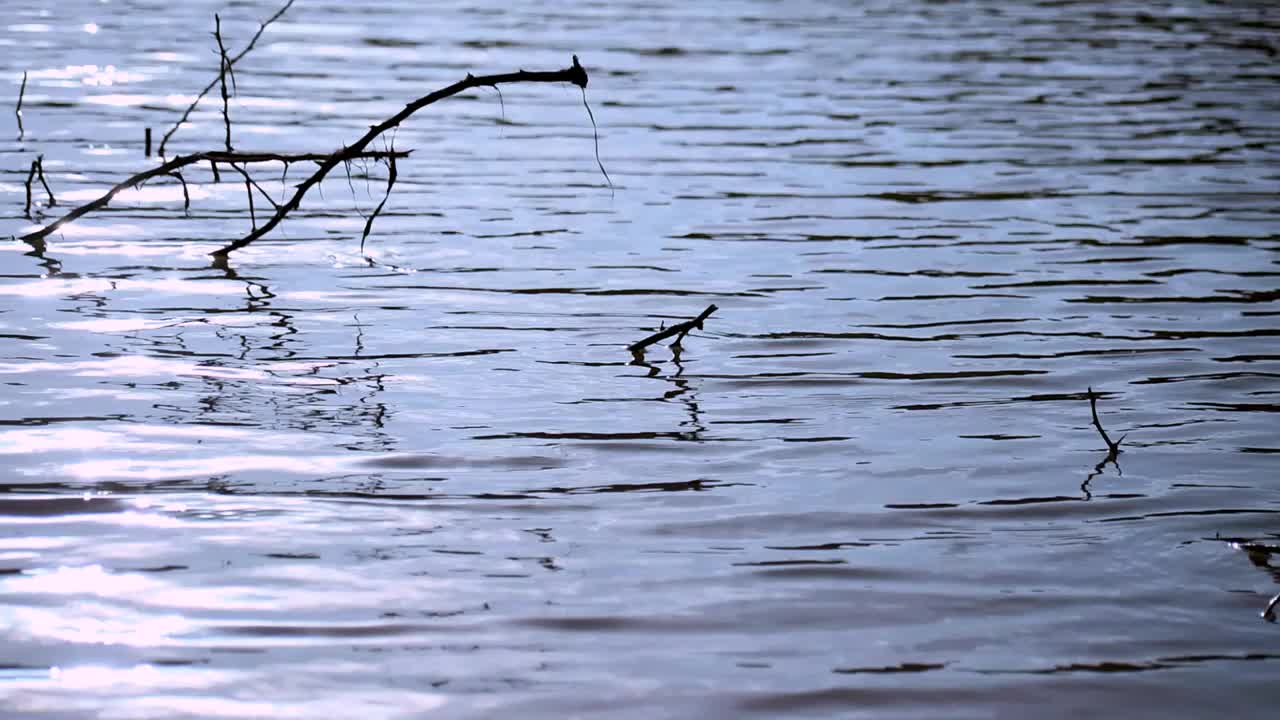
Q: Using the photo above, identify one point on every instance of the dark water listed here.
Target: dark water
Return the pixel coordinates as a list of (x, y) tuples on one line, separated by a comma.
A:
[(436, 485)]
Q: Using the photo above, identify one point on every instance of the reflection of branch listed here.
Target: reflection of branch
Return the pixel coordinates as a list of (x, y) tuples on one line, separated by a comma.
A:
[(1097, 470), (680, 329), (1259, 554)]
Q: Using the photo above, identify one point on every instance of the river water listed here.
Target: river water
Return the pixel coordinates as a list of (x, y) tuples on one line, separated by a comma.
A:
[(430, 481)]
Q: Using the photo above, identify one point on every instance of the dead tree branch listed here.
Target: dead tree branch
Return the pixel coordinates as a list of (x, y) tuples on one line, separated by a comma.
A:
[(574, 74), (212, 83), (181, 161), (680, 329)]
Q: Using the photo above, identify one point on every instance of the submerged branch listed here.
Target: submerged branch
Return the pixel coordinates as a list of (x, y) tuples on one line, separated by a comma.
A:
[(181, 161), (680, 329)]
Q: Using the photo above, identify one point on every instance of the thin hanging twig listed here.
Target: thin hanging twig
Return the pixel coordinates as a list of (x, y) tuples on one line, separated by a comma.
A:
[(186, 196), (248, 190), (250, 182), (391, 181), (595, 135), (212, 83), (680, 329), (18, 110)]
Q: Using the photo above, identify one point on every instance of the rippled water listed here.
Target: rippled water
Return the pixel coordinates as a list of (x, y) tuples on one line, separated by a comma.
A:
[(435, 483)]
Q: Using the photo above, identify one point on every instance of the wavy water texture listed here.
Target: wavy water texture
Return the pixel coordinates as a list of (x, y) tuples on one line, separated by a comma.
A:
[(433, 481)]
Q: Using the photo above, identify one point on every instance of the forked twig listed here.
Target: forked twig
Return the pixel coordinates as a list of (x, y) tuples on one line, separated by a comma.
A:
[(224, 67), (252, 41), (574, 74), (1112, 447), (680, 329), (53, 202), (37, 170)]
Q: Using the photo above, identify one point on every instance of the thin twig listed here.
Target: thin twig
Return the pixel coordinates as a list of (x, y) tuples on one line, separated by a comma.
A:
[(253, 41), (224, 66), (680, 329), (186, 196), (391, 181), (18, 110), (248, 189), (502, 107), (1113, 447), (596, 136), (249, 181), (30, 177), (40, 174), (574, 74), (213, 157), (1270, 613)]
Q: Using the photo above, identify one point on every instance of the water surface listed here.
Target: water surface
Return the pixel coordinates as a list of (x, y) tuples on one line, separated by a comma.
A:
[(431, 481)]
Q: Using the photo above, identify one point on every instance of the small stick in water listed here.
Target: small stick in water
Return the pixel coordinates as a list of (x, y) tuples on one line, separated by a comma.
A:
[(37, 171), (1112, 447), (18, 110), (30, 177), (53, 202), (147, 152), (680, 329)]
